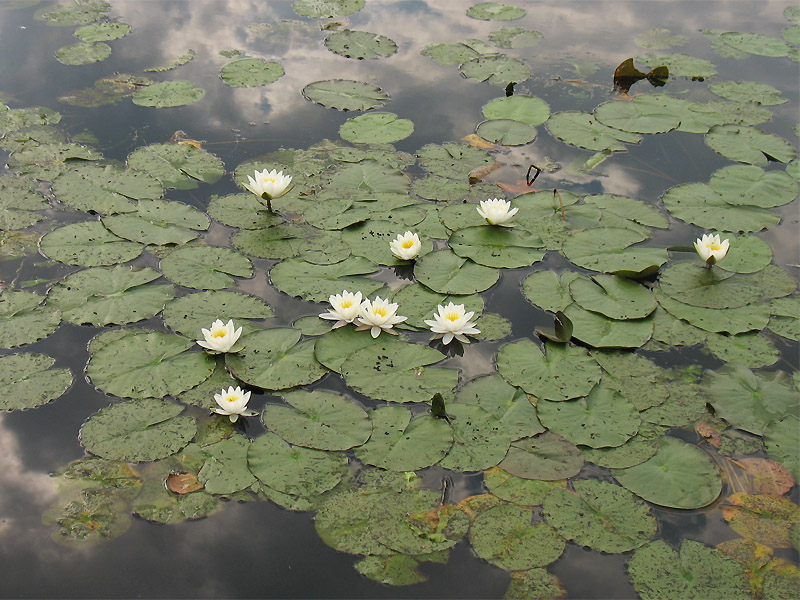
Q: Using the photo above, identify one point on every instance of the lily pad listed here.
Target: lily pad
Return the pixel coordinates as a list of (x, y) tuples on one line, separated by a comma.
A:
[(159, 222), (205, 267), (526, 109), (24, 319), (659, 39), (345, 94), (251, 72), (782, 444), (680, 65), (318, 419), (600, 515), (447, 273), (376, 128), (582, 130), (696, 573), (452, 160), (109, 295), (608, 249), (692, 283), (495, 11), (419, 303), (548, 457), (525, 492), (273, 359), (148, 364), (764, 518), (318, 282), (752, 186), (168, 94), (748, 91), (103, 32), (225, 469), (612, 296), (718, 320), (496, 69), (645, 114), (138, 430), (28, 380), (599, 331), (401, 442), (327, 9), (177, 166), (756, 43), (72, 13), (515, 37), (506, 132), (497, 247), (360, 44), (83, 53), (750, 349), (749, 145), (505, 537), (679, 475), (628, 209), (105, 190), (88, 245), (699, 204), (559, 373), (456, 53), (188, 314), (479, 439), (548, 290)]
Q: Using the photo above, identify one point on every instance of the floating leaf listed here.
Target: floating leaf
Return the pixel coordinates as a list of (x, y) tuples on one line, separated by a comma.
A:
[(148, 364), (225, 470), (608, 249), (105, 190), (397, 569), (495, 11), (205, 267), (600, 515), (168, 93), (729, 320), (188, 314), (360, 44), (138, 430), (598, 331), (109, 295), (83, 53), (612, 296), (526, 109), (419, 303), (24, 320), (505, 537), (582, 130), (155, 503), (766, 519), (251, 72), (479, 439), (456, 53), (534, 583), (274, 360), (751, 349), (680, 65), (547, 456), (752, 186), (179, 60), (549, 290), (659, 39), (756, 43), (28, 380), (345, 94), (660, 573), (749, 145), (628, 208), (88, 245), (177, 166), (699, 204), (515, 37), (645, 114), (560, 373), (72, 13), (159, 222), (679, 475), (318, 282), (506, 132), (327, 9), (748, 91), (376, 128), (320, 420), (782, 444), (496, 69), (525, 492), (103, 32), (447, 273), (496, 247)]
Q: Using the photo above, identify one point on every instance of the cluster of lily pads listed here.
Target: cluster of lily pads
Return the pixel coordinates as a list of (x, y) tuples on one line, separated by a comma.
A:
[(350, 416)]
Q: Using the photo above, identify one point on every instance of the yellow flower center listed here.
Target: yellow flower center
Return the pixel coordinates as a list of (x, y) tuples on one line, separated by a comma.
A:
[(408, 243), (269, 180), (232, 398), (715, 247), (379, 311), (452, 316), (219, 333), (347, 303)]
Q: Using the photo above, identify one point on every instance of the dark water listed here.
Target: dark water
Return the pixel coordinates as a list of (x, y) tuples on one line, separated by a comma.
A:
[(258, 549)]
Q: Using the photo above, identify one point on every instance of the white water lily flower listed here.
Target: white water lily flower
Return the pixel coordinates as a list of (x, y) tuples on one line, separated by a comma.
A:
[(233, 402), (345, 308), (711, 249), (406, 246), (497, 211), (269, 185), (452, 322), (221, 337), (378, 315)]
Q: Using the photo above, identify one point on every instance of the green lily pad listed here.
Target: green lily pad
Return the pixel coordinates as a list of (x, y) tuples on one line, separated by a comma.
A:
[(679, 475), (173, 63), (397, 569), (188, 314), (294, 469), (103, 32), (205, 267), (560, 373), (88, 245), (525, 492), (768, 519), (782, 444), (456, 53), (506, 132), (637, 378), (177, 166), (750, 185), (634, 452), (83, 53), (784, 318), (495, 11), (404, 372), (371, 239), (225, 470), (756, 43), (751, 349), (600, 515), (507, 403), (645, 114), (692, 283), (243, 211), (748, 91), (109, 295), (480, 440), (505, 537), (452, 160), (608, 249), (601, 419), (376, 128), (599, 331), (515, 37), (148, 364), (629, 209), (318, 282), (419, 303), (28, 380), (138, 430), (72, 13), (546, 456), (105, 190), (749, 145), (534, 583), (251, 72), (447, 273), (612, 296), (497, 247), (24, 319), (747, 254), (345, 94), (548, 290), (360, 44), (679, 65), (327, 9), (318, 419), (717, 320), (496, 69), (168, 94), (582, 130), (530, 110), (333, 348), (401, 442), (273, 359), (747, 400), (659, 39), (159, 222)]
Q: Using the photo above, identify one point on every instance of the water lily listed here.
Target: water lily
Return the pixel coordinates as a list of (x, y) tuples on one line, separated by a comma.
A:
[(406, 246), (221, 337), (452, 321), (497, 211), (269, 185), (233, 402), (345, 308), (711, 249), (378, 315)]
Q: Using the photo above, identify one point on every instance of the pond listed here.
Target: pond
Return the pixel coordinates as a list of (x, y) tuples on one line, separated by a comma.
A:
[(614, 418)]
